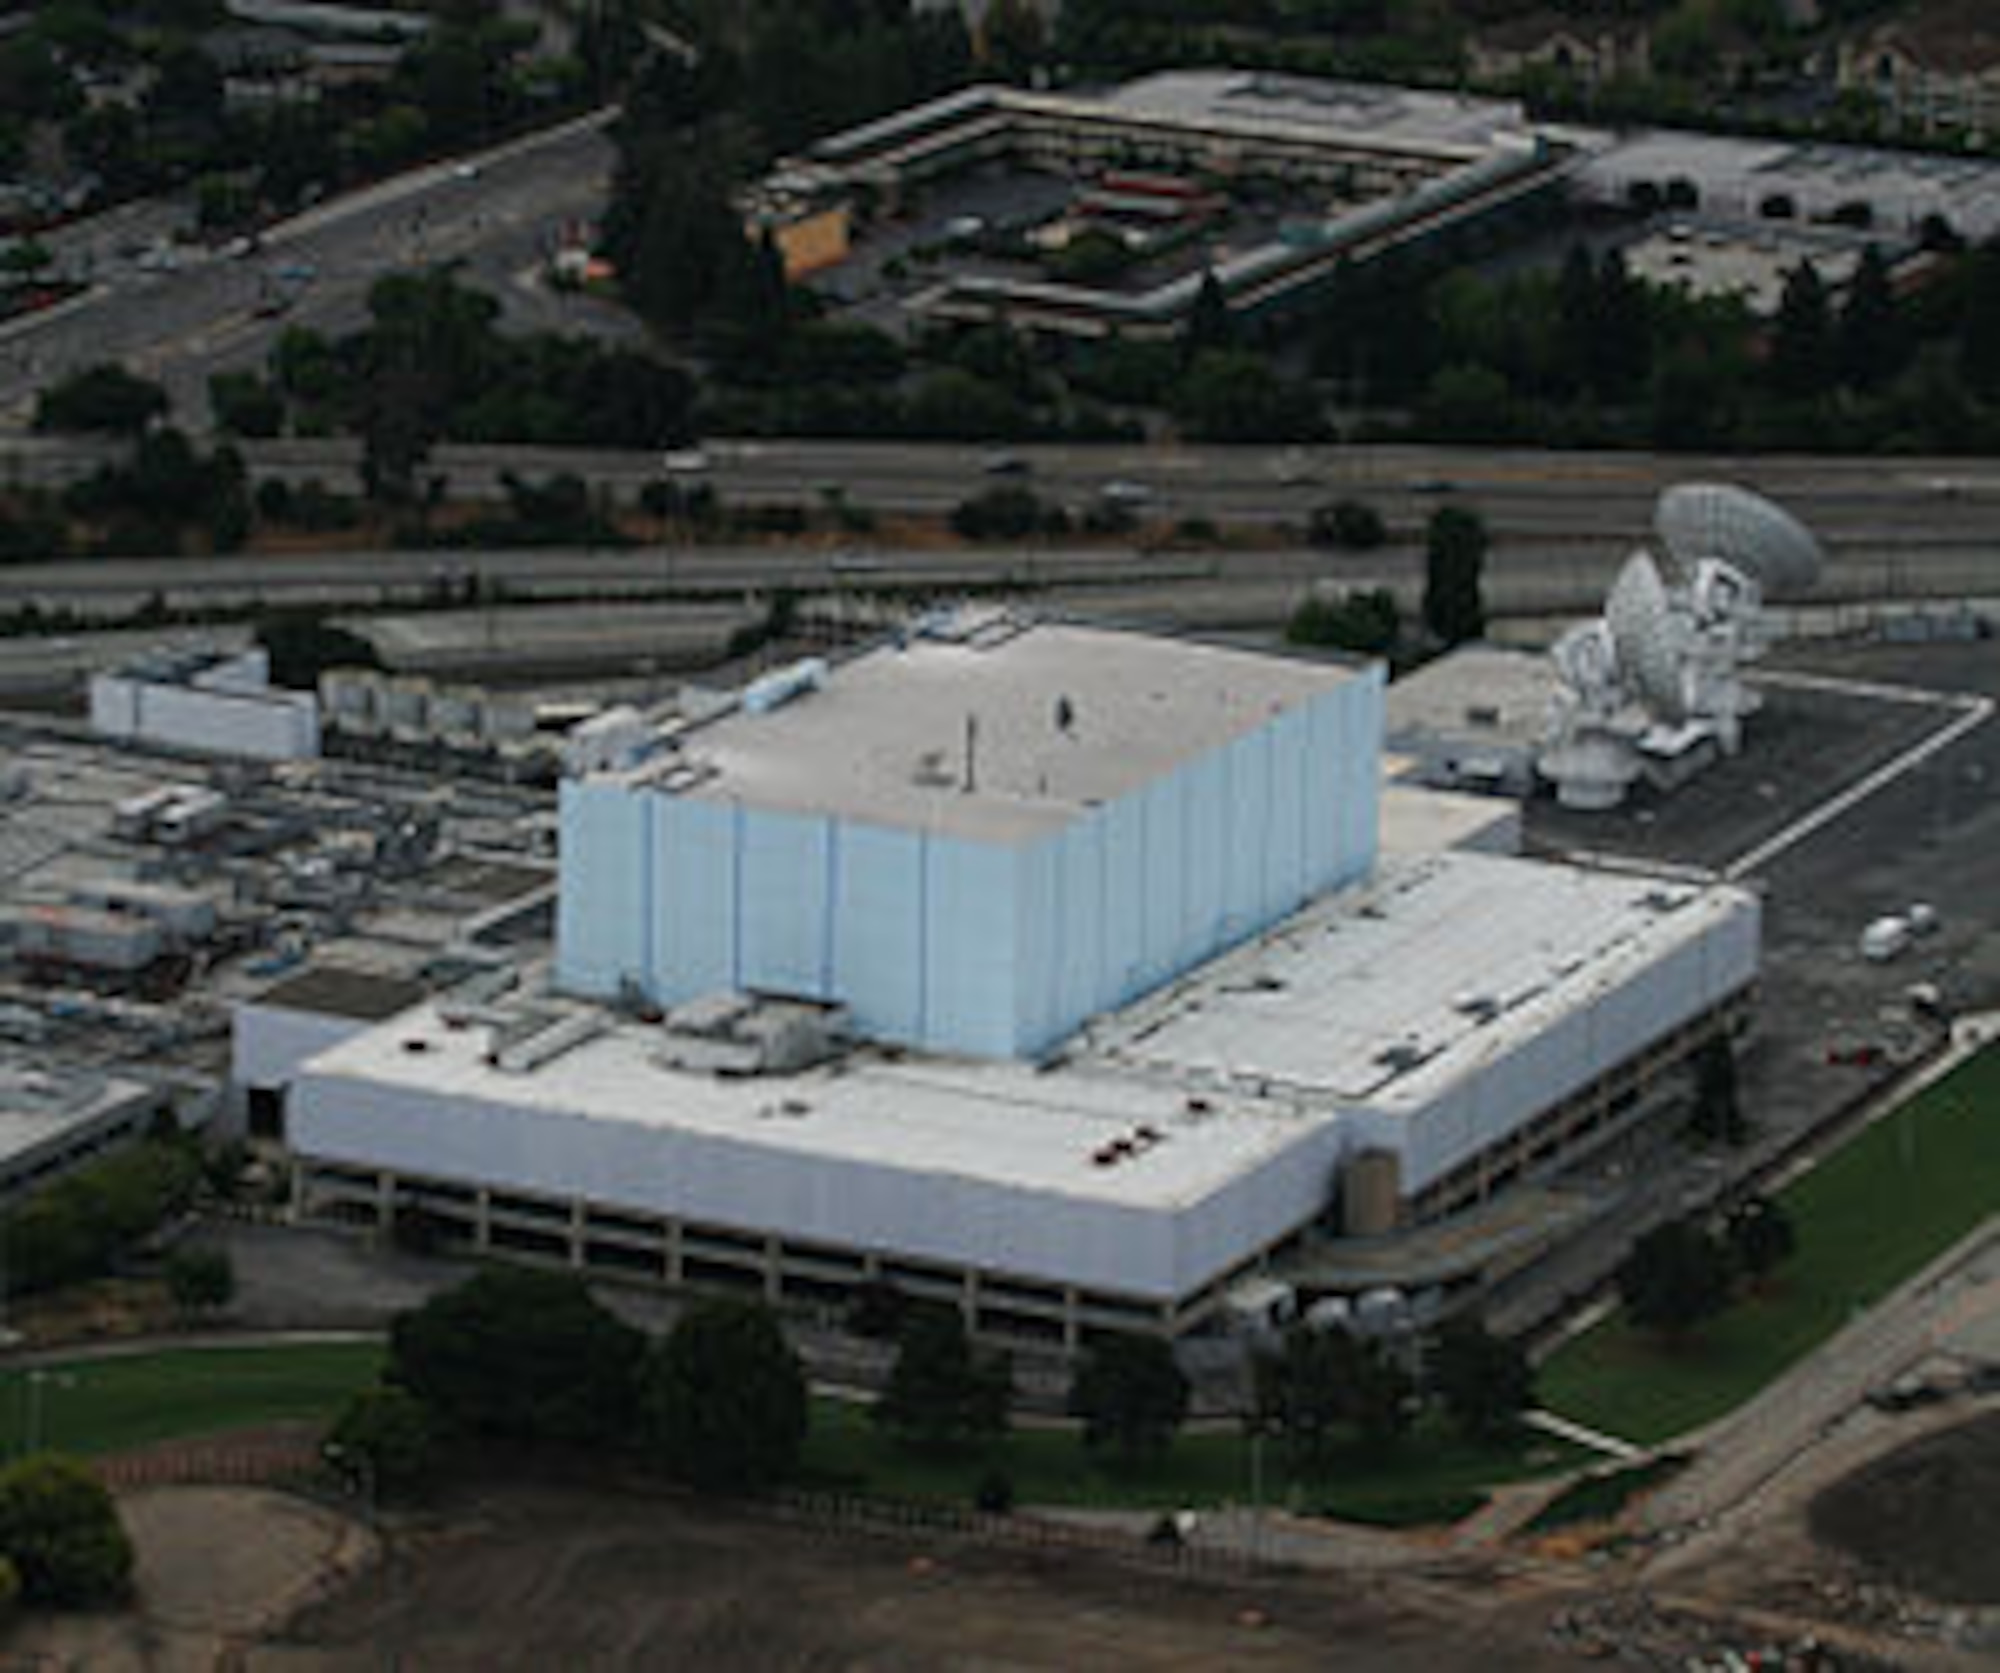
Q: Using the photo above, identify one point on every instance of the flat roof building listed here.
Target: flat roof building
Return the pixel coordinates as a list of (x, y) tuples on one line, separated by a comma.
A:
[(976, 837), (1142, 1048), (1467, 1014)]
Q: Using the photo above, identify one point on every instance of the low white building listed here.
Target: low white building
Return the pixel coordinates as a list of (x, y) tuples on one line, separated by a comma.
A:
[(1472, 1016), (210, 702)]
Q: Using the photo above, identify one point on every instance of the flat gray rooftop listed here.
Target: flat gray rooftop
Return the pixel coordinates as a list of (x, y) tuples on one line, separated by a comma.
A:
[(328, 990), (1736, 176), (885, 740), (1367, 113), (1476, 690)]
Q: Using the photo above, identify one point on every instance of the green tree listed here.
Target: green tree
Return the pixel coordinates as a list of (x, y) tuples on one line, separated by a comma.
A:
[(1211, 329), (72, 1227), (1484, 1381), (1321, 1381), (520, 1354), (1367, 623), (1455, 546), (1718, 1113), (1349, 524), (1622, 356), (1874, 346), (303, 645), (1979, 323), (201, 1280), (246, 405), (1234, 396), (1802, 365), (724, 1400), (1676, 1276), (942, 1392), (1132, 1396), (384, 1439), (1761, 1237), (59, 1527), (103, 398)]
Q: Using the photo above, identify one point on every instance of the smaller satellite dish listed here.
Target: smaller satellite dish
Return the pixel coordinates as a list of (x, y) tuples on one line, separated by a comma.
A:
[(1587, 661), (1643, 629), (1703, 520)]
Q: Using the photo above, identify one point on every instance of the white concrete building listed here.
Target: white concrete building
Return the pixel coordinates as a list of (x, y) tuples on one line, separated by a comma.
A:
[(212, 702), (1461, 1020)]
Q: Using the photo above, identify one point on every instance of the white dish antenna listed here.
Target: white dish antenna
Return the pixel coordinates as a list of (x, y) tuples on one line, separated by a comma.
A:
[(1714, 520), (1587, 661), (1643, 629)]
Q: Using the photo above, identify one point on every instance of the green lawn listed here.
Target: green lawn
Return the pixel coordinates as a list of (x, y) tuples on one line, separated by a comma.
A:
[(1599, 1498), (108, 1405), (1871, 1216), (1430, 1475)]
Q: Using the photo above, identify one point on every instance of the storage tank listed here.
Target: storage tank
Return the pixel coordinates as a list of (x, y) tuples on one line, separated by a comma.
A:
[(1371, 1190), (351, 698), (505, 720), (406, 706), (455, 715)]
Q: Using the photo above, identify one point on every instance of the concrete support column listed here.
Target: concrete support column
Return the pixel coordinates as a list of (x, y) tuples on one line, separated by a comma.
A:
[(385, 1203), (1072, 1333), (774, 1265), (482, 1220), (577, 1235), (670, 1235)]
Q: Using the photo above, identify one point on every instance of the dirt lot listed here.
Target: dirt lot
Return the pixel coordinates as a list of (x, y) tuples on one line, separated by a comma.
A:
[(1926, 1516), (549, 1577), (553, 1577)]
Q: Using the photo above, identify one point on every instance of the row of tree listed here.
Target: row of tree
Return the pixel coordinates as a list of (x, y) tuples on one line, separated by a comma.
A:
[(1683, 1273), (721, 1401)]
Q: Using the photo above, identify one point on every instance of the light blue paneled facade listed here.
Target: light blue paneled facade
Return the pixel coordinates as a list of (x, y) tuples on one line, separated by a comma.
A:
[(955, 944)]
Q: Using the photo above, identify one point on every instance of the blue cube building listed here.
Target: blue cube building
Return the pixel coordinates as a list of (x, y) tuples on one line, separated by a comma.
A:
[(978, 837)]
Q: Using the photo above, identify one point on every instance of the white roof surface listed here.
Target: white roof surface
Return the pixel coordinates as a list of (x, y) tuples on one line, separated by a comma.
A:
[(1476, 690), (1229, 1067), (995, 1121), (1386, 996), (1351, 112), (885, 740)]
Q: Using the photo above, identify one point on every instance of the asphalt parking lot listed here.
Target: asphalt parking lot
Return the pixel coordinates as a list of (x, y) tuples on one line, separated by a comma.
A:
[(1931, 834)]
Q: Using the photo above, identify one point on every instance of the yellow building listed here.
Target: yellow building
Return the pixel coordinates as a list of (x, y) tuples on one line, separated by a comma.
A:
[(810, 235)]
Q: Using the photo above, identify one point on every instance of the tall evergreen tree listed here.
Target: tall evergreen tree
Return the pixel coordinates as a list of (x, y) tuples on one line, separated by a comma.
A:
[(1979, 327), (1622, 354), (1454, 609), (1802, 350), (1209, 325), (1873, 344)]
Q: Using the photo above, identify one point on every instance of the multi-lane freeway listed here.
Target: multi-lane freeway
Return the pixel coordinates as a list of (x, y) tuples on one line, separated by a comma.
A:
[(213, 311), (1562, 521)]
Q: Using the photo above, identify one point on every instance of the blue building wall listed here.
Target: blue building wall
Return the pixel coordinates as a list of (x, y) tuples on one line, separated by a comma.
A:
[(955, 945)]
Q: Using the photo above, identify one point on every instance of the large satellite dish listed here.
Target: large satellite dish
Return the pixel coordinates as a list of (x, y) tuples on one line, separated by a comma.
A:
[(1642, 627), (1699, 520)]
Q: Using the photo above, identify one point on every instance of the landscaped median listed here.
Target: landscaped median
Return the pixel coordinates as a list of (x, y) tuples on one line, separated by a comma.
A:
[(1868, 1218)]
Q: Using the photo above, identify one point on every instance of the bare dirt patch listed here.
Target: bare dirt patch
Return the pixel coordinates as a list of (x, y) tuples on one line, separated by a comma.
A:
[(1926, 1516), (217, 1568), (554, 1577)]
